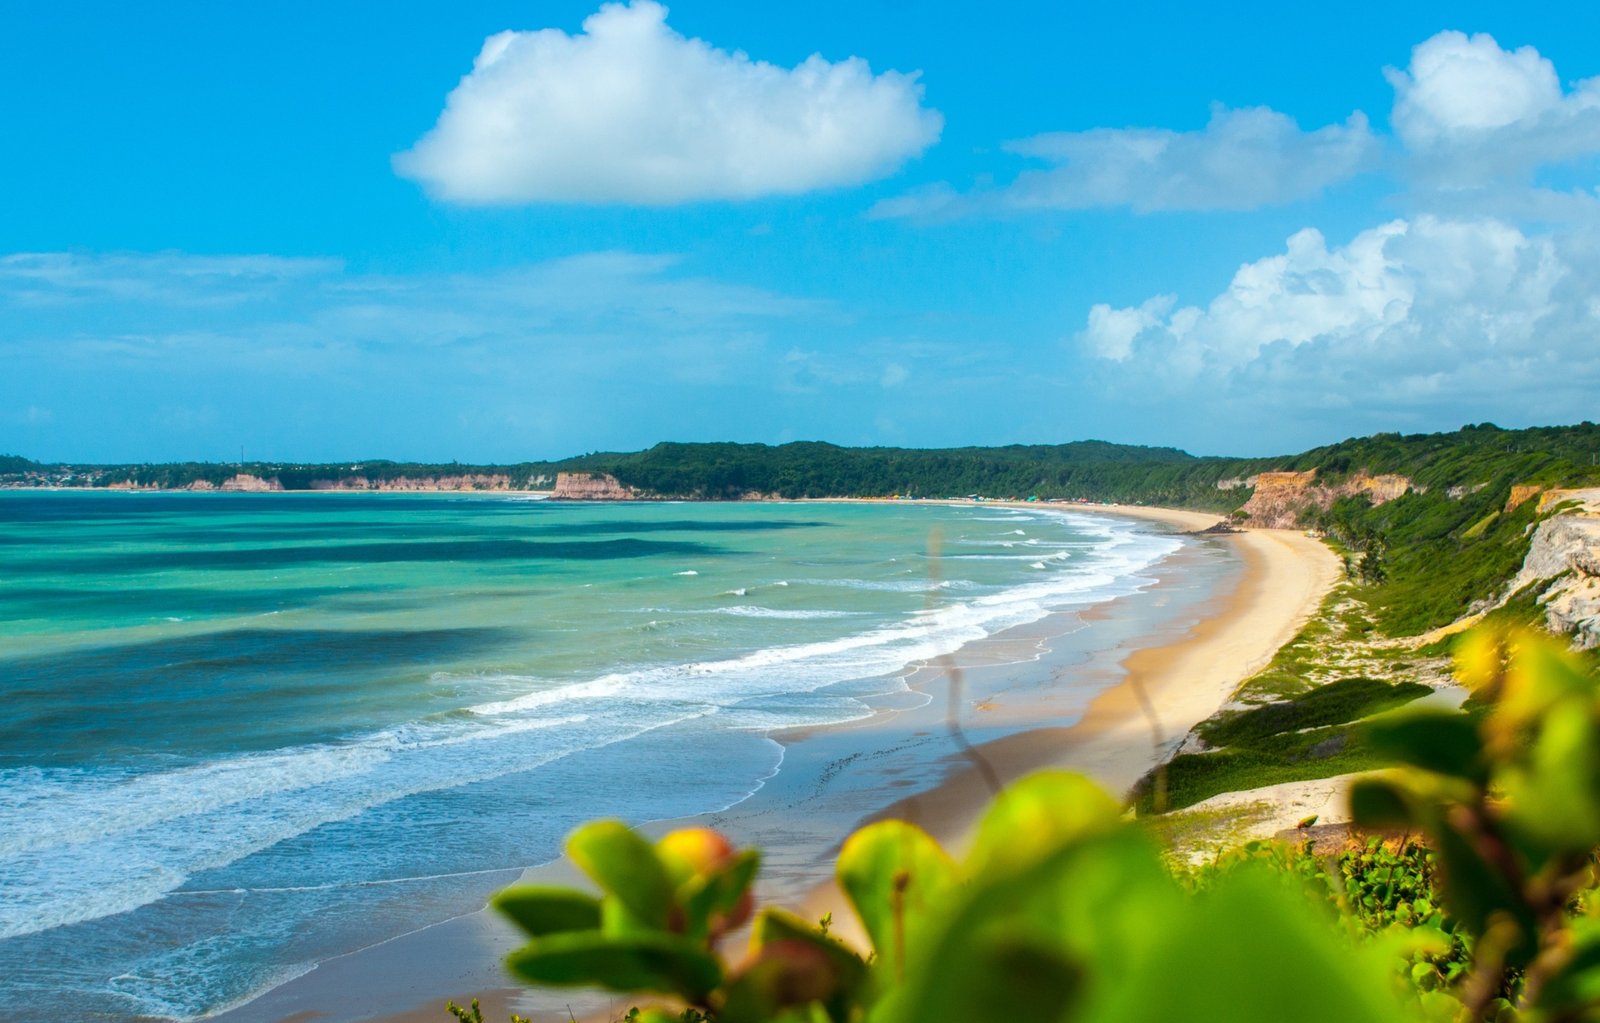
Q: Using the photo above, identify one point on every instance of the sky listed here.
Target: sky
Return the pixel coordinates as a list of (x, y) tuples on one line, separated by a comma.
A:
[(495, 232)]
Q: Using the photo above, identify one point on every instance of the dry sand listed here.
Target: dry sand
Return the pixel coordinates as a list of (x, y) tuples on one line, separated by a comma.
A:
[(836, 778)]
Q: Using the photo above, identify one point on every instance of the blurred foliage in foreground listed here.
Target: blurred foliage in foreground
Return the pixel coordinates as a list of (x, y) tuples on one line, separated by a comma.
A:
[(1479, 904)]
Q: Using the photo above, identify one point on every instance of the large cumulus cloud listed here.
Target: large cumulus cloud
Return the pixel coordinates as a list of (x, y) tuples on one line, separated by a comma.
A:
[(1411, 318), (630, 111)]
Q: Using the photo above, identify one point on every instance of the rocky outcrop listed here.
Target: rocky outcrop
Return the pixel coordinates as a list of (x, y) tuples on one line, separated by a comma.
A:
[(246, 483), (1521, 494), (240, 483), (1281, 497), (1566, 549), (590, 486)]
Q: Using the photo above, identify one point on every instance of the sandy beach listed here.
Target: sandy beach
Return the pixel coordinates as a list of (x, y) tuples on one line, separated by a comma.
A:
[(1248, 594)]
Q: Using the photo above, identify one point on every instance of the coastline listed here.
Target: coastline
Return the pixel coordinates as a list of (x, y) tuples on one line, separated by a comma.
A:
[(827, 786)]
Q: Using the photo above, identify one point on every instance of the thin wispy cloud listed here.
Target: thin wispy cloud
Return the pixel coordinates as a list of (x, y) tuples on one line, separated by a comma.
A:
[(1241, 160)]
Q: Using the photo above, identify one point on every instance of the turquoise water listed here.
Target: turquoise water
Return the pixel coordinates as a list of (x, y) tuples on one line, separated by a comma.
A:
[(242, 733)]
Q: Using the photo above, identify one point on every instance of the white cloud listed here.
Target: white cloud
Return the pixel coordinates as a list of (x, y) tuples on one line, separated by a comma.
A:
[(167, 277), (1422, 285), (1241, 160), (1470, 111), (629, 111), (1111, 332), (1409, 315)]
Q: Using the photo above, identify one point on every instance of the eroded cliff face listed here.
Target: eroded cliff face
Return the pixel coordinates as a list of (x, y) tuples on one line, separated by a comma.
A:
[(239, 483), (1280, 497), (590, 486), (1566, 549), (246, 483)]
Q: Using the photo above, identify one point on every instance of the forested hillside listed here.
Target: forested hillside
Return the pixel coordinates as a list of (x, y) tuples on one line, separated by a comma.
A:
[(1483, 457)]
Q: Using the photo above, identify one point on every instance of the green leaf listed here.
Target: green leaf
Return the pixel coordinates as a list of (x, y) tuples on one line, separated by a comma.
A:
[(1556, 800), (713, 898), (657, 963), (1038, 815), (773, 925), (781, 931), (895, 876), (625, 866), (1252, 950), (1082, 911), (1380, 803), (1577, 984), (1004, 975), (540, 911), (1476, 893), (1446, 742)]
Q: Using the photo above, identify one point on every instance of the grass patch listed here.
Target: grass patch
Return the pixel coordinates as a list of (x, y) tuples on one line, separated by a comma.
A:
[(1182, 833), (1194, 777), (1332, 704), (1312, 735), (1478, 528)]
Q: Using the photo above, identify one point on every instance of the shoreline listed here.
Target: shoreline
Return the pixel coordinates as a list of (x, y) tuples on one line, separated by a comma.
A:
[(1116, 742), (1188, 668)]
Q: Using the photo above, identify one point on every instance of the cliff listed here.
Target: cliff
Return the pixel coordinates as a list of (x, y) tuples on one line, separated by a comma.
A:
[(590, 486), (244, 482), (1565, 552), (1280, 497), (237, 483)]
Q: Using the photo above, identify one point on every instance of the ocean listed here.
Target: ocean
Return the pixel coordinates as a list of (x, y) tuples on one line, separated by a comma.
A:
[(241, 734)]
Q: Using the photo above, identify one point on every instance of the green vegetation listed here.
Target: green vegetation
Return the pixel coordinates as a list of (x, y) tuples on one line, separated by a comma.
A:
[(1305, 737), (1335, 703), (1065, 910), (1472, 455), (1381, 887), (1088, 470), (1438, 555)]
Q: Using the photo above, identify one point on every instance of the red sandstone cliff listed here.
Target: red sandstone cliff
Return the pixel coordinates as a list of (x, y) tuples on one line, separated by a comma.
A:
[(1280, 497), (590, 486)]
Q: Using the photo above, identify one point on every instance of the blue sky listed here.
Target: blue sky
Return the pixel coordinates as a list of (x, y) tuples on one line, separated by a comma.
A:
[(497, 231)]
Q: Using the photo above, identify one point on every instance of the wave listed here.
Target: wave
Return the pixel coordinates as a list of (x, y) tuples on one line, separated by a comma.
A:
[(91, 844), (798, 614)]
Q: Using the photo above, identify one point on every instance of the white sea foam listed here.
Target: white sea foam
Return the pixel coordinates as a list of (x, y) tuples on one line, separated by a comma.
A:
[(797, 614)]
